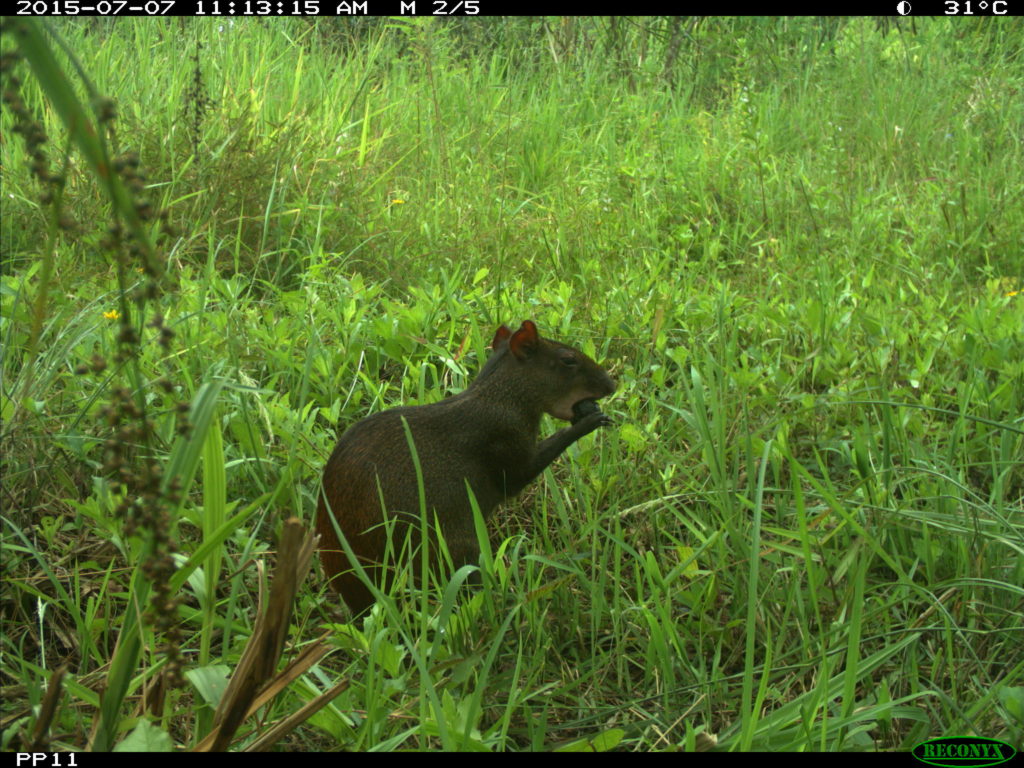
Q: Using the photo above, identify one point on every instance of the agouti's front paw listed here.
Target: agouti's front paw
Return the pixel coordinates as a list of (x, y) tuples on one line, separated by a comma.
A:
[(582, 409), (588, 416)]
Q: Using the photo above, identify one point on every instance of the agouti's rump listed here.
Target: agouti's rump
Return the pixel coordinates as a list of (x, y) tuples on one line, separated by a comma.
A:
[(486, 437)]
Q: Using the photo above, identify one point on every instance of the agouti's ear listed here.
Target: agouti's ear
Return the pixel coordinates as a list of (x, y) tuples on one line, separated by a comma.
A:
[(501, 335), (524, 341)]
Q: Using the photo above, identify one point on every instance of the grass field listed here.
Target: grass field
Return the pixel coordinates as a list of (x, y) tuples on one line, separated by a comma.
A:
[(797, 244)]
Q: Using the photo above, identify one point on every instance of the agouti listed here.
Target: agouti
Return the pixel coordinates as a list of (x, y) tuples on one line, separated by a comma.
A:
[(486, 437)]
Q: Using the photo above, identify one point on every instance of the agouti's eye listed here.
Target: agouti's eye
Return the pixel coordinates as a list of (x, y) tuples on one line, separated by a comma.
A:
[(570, 361)]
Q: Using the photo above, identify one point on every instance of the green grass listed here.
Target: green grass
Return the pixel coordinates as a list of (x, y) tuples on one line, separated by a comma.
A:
[(797, 244)]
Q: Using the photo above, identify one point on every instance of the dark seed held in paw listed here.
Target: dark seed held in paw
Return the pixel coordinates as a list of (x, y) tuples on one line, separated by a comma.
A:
[(582, 409)]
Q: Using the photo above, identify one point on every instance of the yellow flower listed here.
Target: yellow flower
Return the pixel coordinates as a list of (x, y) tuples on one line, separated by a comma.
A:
[(398, 201), (1013, 293), (112, 314)]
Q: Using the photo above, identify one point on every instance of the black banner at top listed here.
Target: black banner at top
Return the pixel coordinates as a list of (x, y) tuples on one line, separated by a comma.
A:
[(339, 8)]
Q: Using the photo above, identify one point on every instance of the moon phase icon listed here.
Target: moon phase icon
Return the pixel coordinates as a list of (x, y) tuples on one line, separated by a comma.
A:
[(903, 7)]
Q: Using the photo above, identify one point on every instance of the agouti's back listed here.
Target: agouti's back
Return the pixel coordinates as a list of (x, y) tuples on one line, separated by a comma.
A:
[(486, 436)]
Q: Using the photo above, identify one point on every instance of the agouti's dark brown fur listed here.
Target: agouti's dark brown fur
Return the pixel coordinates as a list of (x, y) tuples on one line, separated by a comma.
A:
[(486, 436)]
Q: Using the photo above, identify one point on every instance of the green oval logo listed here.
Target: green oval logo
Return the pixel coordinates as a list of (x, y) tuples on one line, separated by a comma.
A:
[(963, 752)]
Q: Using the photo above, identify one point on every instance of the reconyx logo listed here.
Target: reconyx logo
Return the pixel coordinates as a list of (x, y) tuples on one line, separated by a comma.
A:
[(963, 752)]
